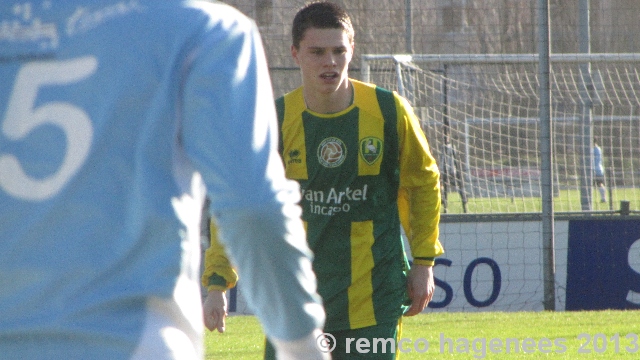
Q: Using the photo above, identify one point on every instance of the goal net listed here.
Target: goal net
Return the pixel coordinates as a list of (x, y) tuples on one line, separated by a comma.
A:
[(480, 115)]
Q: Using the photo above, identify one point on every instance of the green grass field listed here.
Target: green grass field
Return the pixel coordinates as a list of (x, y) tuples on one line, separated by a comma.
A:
[(539, 335), (566, 201)]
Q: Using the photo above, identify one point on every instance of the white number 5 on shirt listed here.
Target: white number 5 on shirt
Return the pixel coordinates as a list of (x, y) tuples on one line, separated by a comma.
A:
[(22, 117)]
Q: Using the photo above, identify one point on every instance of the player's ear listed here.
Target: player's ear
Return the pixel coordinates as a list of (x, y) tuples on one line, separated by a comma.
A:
[(294, 55)]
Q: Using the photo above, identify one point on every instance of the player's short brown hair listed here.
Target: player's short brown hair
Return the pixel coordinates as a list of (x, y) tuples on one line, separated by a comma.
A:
[(320, 15)]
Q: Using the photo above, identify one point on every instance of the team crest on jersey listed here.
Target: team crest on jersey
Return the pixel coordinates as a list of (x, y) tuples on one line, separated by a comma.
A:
[(370, 149), (332, 152)]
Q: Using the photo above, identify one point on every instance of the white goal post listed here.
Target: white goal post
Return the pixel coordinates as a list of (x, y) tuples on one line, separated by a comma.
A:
[(480, 114)]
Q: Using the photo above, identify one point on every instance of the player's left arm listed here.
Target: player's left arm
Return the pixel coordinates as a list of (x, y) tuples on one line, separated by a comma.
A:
[(418, 205)]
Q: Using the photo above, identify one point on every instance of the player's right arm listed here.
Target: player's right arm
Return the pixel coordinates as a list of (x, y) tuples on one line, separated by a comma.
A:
[(218, 276), (218, 272)]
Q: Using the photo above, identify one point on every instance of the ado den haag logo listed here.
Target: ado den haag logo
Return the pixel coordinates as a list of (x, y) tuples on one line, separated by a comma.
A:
[(370, 149), (332, 152)]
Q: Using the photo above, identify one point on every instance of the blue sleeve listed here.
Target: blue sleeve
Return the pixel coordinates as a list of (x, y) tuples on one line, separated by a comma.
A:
[(229, 133)]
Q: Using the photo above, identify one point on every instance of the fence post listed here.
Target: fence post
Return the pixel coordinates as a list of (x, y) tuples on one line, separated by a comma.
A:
[(546, 149)]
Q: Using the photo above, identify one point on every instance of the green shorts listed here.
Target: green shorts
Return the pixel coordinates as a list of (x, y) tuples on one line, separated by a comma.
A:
[(360, 343)]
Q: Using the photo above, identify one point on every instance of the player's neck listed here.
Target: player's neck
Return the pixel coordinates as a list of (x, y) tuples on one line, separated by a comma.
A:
[(329, 103)]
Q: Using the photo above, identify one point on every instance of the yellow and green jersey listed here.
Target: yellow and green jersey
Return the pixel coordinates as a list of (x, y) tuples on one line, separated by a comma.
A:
[(363, 172)]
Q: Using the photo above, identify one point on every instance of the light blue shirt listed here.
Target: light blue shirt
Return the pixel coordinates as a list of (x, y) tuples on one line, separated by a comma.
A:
[(114, 116)]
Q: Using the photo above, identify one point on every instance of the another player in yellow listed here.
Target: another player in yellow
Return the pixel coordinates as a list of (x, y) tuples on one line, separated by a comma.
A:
[(365, 170)]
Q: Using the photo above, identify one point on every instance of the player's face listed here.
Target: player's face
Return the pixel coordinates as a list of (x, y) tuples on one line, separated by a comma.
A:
[(323, 57)]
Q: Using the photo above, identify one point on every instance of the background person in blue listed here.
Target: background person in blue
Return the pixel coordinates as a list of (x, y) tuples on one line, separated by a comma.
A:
[(598, 170), (114, 118)]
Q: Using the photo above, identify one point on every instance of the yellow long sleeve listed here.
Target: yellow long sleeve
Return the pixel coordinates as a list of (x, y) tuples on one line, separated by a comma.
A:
[(218, 273), (419, 194)]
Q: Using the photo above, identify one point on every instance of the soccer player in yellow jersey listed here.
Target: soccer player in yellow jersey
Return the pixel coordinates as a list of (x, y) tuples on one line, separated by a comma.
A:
[(365, 170)]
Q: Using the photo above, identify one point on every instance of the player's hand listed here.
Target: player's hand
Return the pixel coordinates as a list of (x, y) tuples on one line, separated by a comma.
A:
[(420, 285), (215, 310)]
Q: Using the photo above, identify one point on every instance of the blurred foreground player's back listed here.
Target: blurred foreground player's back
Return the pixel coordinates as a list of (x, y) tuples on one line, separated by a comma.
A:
[(114, 117)]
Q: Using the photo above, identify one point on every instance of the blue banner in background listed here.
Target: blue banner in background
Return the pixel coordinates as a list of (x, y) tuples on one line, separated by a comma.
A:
[(603, 265)]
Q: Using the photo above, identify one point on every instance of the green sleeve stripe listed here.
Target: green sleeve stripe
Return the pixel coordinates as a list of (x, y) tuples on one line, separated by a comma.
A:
[(216, 279), (387, 105), (280, 112), (424, 258)]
